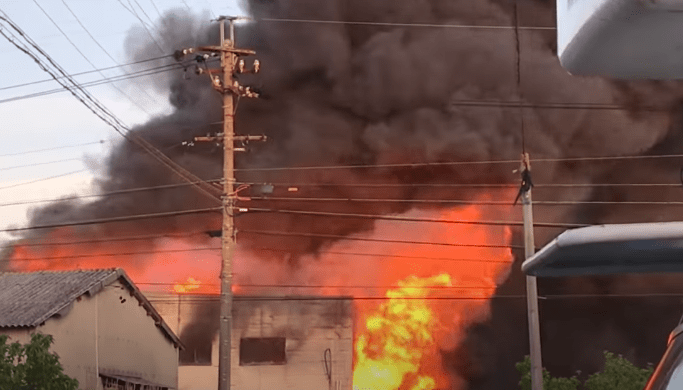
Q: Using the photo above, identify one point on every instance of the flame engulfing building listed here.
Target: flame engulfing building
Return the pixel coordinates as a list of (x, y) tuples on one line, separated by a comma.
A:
[(301, 343), (106, 333)]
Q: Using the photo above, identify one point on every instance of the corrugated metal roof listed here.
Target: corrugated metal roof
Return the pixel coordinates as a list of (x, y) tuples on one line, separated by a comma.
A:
[(28, 299)]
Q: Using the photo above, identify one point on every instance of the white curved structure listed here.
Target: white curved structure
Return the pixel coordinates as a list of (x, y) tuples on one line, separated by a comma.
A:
[(621, 38)]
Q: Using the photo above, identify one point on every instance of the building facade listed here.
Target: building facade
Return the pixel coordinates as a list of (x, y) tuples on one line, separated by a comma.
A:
[(278, 343), (106, 333)]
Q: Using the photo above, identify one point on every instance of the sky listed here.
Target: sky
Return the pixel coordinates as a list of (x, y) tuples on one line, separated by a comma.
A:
[(55, 135)]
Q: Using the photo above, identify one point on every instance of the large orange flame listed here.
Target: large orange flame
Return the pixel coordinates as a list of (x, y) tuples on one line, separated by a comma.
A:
[(396, 337)]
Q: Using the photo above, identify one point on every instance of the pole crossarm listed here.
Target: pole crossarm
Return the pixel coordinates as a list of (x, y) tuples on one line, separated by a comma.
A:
[(241, 138), (219, 49)]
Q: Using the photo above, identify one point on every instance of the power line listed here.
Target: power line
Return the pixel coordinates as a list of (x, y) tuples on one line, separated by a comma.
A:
[(144, 25), (463, 185), (382, 255), (117, 254), (38, 164), (99, 45), (141, 9), (114, 219), (105, 240), (88, 59), (466, 202), (189, 298), (42, 179), (457, 163), (111, 193), (254, 249), (97, 107), (156, 8), (106, 80), (53, 148), (412, 219), (393, 24), (395, 286), (348, 238), (86, 72), (377, 200)]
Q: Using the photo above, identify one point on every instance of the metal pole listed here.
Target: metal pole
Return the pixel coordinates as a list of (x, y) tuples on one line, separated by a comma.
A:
[(531, 289), (228, 236)]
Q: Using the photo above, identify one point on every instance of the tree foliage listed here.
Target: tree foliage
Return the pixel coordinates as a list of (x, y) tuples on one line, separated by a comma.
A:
[(32, 366), (618, 374), (549, 382)]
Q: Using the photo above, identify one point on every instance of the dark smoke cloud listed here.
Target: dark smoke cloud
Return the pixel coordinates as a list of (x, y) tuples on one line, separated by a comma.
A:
[(359, 94)]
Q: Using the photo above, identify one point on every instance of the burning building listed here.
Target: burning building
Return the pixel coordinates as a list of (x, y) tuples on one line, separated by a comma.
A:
[(417, 87), (295, 342)]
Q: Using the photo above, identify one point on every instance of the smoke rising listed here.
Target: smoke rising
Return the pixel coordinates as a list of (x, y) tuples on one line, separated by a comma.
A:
[(359, 94)]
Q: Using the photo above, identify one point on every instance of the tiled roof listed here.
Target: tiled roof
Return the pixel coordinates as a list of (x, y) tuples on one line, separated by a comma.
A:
[(29, 299)]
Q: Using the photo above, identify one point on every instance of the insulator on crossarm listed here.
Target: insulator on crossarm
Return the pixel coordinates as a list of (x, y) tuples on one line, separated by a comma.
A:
[(257, 66), (240, 66)]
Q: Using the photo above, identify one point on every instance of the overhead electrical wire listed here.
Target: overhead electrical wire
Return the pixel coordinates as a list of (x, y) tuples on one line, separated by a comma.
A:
[(341, 286), (464, 202), (199, 298), (116, 254), (124, 218), (86, 72), (382, 200), (368, 239), (463, 185), (144, 25), (108, 240), (52, 148), (78, 20), (141, 9), (39, 163), (195, 299), (106, 80), (412, 219), (42, 179), (457, 163), (110, 193), (96, 107), (87, 59), (156, 8), (396, 24)]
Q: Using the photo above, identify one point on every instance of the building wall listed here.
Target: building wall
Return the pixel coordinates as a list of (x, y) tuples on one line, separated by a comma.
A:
[(310, 326), (129, 343), (74, 341)]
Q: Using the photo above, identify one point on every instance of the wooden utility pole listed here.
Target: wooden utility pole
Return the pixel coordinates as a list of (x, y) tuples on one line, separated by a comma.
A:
[(531, 288), (229, 88)]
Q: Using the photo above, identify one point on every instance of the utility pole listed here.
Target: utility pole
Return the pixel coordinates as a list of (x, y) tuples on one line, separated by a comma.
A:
[(531, 288), (229, 88)]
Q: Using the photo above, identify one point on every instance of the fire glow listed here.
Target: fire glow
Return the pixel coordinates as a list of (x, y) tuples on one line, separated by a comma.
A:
[(422, 297), (398, 334)]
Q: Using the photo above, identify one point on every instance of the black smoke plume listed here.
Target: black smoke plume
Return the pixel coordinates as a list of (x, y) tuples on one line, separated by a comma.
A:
[(340, 94)]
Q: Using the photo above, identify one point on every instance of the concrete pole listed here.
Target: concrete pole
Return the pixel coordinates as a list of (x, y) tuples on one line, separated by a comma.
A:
[(228, 236), (531, 288)]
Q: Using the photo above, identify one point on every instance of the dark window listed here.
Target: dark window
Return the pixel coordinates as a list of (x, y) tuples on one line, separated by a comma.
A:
[(269, 350), (196, 354)]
